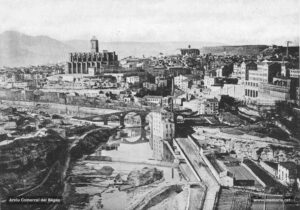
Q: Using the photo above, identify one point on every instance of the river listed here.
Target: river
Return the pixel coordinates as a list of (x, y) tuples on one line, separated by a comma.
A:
[(88, 188)]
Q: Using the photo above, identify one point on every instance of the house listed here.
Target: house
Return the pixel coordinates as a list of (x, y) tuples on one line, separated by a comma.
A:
[(154, 99), (226, 178), (161, 81), (183, 82), (209, 106), (288, 172), (162, 130), (150, 86), (133, 79)]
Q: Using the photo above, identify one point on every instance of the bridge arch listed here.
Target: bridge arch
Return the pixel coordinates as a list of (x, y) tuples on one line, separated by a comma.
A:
[(132, 118), (142, 117), (112, 119)]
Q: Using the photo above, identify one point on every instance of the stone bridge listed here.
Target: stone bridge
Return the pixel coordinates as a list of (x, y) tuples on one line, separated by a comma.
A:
[(120, 114)]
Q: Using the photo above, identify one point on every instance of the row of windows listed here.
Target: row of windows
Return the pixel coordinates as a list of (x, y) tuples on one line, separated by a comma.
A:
[(253, 84), (251, 93), (258, 79), (258, 74)]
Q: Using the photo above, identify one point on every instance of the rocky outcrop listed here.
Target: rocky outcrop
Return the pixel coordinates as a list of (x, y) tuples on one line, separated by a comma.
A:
[(144, 176), (32, 166), (90, 143), (106, 171), (157, 197)]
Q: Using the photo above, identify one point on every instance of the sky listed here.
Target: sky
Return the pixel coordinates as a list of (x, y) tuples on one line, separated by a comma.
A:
[(221, 21)]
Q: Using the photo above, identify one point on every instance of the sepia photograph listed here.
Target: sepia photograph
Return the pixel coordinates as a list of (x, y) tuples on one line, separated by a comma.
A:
[(149, 104)]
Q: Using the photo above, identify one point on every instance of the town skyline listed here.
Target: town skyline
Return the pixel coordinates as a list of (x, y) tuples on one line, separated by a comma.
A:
[(258, 22)]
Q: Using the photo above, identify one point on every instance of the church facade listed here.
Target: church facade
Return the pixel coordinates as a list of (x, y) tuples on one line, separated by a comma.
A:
[(92, 62)]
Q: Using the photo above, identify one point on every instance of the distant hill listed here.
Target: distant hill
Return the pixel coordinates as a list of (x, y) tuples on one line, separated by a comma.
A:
[(235, 50), (280, 50), (125, 49), (17, 49)]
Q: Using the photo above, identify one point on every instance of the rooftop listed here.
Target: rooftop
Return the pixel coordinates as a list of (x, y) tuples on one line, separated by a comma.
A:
[(288, 165), (271, 164)]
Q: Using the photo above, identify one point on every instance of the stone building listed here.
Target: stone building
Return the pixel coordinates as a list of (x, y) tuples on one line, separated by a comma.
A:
[(241, 70), (288, 172), (162, 128), (183, 82), (209, 106), (265, 73), (90, 63), (281, 89), (293, 73), (190, 51)]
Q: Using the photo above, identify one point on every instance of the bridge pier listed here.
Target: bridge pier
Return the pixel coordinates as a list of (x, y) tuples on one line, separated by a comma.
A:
[(105, 121), (143, 120), (122, 121)]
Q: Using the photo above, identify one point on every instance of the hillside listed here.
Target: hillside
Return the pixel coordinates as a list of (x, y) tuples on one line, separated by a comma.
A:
[(235, 50), (17, 49), (280, 50), (125, 49)]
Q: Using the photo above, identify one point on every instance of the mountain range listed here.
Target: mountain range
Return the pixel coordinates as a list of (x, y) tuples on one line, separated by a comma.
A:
[(18, 49)]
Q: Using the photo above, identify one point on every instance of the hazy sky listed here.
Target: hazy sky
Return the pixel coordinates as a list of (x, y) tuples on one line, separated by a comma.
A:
[(224, 21)]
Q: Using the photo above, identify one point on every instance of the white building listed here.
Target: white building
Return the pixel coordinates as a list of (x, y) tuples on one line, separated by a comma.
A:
[(119, 76), (288, 172), (209, 106), (182, 82), (265, 73), (192, 104), (133, 79), (162, 128), (233, 90), (294, 73), (210, 81), (219, 72), (154, 99)]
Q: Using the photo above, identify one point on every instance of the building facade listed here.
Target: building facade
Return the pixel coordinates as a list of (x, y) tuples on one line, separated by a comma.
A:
[(209, 106), (133, 79), (162, 128), (293, 73), (288, 172), (94, 61), (183, 82), (281, 89), (190, 51), (265, 73), (161, 81)]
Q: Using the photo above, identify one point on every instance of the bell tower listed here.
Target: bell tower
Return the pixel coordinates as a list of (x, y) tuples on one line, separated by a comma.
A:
[(94, 45)]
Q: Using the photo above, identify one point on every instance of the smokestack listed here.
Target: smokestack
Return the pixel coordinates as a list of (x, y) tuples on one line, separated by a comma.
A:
[(172, 90)]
